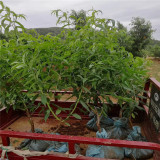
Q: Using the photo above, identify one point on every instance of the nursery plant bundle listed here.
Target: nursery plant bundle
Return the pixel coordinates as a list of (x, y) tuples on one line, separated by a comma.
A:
[(87, 59), (97, 66)]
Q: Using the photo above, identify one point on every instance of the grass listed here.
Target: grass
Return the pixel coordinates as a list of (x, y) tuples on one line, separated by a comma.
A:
[(154, 69)]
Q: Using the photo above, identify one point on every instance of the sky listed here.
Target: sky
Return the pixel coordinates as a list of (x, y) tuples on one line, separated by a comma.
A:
[(38, 12)]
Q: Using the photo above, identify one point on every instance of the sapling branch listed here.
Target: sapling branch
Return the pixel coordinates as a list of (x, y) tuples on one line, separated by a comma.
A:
[(121, 113), (49, 107), (130, 122), (60, 119), (30, 118), (95, 111), (98, 115), (74, 106), (98, 122)]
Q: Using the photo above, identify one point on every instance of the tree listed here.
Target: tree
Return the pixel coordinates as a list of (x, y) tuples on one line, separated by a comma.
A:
[(10, 87), (97, 66), (141, 33), (123, 36), (120, 26)]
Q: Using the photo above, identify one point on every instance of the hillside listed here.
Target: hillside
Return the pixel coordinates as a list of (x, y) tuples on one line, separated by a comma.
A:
[(52, 30)]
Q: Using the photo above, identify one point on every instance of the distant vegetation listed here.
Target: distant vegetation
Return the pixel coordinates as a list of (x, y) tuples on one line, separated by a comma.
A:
[(52, 30), (155, 42)]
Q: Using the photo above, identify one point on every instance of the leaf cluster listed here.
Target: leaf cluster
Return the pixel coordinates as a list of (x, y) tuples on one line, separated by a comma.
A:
[(10, 20)]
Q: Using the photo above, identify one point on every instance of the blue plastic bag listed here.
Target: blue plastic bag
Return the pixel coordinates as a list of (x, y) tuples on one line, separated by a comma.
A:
[(39, 145), (42, 145), (136, 135), (61, 147), (95, 151), (30, 143), (104, 123), (120, 129), (113, 152), (99, 151)]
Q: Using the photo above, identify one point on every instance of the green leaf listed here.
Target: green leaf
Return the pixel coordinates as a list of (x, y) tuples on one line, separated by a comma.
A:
[(58, 111), (2, 5), (8, 9), (5, 19), (84, 80), (76, 116), (22, 16), (1, 10), (47, 115), (86, 89), (84, 105), (67, 124), (133, 115), (44, 99), (20, 25)]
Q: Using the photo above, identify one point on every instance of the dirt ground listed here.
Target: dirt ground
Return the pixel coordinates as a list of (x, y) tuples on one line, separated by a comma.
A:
[(154, 68)]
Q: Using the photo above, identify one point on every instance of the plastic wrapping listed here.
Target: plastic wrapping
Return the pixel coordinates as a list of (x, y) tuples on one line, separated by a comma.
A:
[(99, 151), (120, 129), (136, 135), (104, 122)]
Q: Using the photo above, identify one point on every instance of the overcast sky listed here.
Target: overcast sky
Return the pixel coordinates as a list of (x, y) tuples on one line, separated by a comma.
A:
[(38, 12)]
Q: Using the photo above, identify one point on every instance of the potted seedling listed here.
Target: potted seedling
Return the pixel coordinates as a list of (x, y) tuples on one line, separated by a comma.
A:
[(99, 67), (10, 87)]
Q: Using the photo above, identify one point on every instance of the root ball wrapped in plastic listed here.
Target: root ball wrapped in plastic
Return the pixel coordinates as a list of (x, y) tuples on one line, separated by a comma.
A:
[(104, 122), (43, 145), (119, 130), (100, 151), (136, 135)]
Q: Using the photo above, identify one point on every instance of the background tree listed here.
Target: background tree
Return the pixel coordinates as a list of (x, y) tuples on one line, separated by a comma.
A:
[(123, 36), (120, 26), (97, 66), (79, 18), (141, 33)]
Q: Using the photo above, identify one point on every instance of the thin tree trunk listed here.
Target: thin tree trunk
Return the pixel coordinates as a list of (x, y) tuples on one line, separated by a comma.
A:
[(30, 120), (98, 123), (130, 122), (121, 113), (96, 100)]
